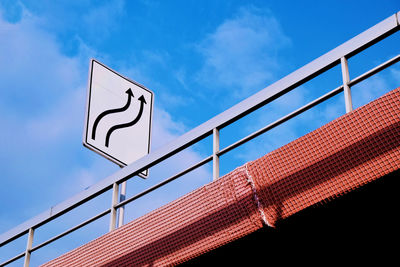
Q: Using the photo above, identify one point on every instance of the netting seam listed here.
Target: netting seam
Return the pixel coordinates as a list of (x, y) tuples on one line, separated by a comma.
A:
[(256, 199)]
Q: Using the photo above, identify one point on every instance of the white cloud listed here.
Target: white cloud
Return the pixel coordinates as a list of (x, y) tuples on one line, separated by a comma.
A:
[(242, 54), (395, 73), (43, 95), (165, 129), (34, 73), (363, 93), (180, 75), (101, 20), (62, 121), (375, 86)]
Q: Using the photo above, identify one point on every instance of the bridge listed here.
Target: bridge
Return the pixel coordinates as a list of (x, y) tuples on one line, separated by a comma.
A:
[(355, 151)]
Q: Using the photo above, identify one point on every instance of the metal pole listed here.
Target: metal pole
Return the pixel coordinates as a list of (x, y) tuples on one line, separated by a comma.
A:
[(215, 156), (114, 201), (346, 87), (28, 247), (122, 197)]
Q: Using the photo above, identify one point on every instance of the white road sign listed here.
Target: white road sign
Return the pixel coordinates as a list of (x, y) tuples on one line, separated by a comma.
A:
[(118, 116)]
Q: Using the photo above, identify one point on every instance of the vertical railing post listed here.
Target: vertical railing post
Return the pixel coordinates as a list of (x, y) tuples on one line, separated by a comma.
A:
[(114, 201), (28, 248), (215, 155), (122, 197), (346, 87)]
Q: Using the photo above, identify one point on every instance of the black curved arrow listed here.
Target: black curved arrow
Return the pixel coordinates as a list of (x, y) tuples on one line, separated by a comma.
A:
[(119, 126), (96, 122)]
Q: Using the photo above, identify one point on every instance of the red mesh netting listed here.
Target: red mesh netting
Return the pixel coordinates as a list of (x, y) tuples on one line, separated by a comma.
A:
[(332, 160), (344, 154), (200, 221)]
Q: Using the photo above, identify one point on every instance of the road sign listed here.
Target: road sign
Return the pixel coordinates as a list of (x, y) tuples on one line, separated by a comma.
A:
[(118, 116)]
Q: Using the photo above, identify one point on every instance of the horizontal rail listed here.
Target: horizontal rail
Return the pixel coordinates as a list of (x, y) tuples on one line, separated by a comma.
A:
[(281, 120), (98, 216), (268, 94), (272, 125), (311, 104), (375, 70), (166, 181), (55, 211), (13, 259)]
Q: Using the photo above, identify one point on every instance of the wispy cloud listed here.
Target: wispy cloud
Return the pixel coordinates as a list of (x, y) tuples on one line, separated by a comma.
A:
[(44, 52), (43, 95), (34, 72), (42, 102), (376, 86), (242, 55), (362, 94), (101, 20)]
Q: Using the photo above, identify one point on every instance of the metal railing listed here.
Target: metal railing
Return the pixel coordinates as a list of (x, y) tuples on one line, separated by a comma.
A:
[(339, 55)]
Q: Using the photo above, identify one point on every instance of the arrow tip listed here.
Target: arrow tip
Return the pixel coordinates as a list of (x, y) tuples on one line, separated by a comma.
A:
[(142, 99), (129, 92)]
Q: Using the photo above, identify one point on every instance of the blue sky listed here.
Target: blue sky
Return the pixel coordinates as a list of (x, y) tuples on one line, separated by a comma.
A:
[(198, 57)]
